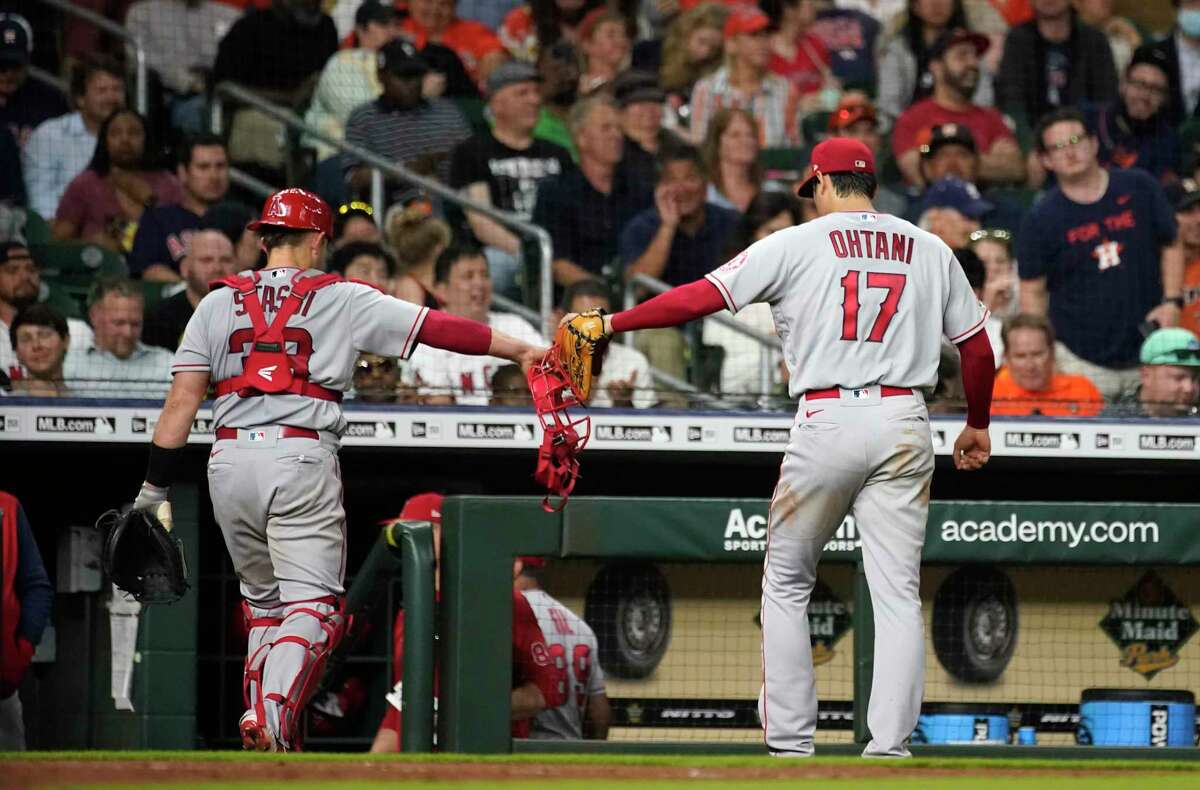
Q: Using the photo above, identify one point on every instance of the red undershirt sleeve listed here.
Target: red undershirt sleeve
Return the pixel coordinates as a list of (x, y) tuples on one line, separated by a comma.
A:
[(452, 333), (978, 374), (677, 306)]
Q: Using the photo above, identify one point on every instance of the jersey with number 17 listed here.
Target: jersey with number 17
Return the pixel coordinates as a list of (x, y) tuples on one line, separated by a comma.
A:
[(858, 299)]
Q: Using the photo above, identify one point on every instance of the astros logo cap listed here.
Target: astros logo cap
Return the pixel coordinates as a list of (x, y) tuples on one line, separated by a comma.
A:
[(837, 155)]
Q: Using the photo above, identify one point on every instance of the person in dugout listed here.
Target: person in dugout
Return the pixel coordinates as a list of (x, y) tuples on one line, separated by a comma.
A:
[(536, 684)]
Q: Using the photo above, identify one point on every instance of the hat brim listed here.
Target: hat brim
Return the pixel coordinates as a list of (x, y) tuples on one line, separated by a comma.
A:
[(933, 146), (1187, 201), (981, 43), (805, 190), (647, 94)]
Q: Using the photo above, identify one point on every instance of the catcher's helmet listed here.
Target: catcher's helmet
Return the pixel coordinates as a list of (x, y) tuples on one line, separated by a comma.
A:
[(297, 209), (142, 558)]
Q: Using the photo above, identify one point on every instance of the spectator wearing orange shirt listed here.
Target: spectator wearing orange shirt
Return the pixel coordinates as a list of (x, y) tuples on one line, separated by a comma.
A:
[(1028, 383), (1187, 214), (475, 44)]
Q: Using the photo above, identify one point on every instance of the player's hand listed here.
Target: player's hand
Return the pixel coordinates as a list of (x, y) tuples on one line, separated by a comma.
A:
[(530, 356), (569, 317), (972, 449), (150, 497)]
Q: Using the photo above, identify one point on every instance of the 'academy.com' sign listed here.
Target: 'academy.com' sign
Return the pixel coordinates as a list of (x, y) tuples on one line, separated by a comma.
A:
[(1055, 533)]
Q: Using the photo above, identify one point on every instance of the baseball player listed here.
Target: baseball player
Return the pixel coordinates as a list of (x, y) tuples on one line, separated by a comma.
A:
[(537, 683), (279, 346), (861, 301), (575, 652)]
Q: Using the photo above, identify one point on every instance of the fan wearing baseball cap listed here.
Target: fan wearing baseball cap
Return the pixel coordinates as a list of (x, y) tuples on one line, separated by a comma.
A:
[(856, 118), (1170, 377), (24, 103), (954, 62), (746, 82)]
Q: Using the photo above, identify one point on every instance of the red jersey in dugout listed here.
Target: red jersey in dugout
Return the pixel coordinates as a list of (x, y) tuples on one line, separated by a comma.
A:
[(531, 663)]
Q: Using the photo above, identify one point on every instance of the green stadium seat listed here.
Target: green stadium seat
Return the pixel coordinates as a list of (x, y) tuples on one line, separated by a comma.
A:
[(77, 263), (472, 109), (153, 294), (71, 303)]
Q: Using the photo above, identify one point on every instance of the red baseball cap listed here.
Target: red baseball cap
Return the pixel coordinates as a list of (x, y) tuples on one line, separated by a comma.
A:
[(533, 562), (423, 507), (837, 155), (745, 19)]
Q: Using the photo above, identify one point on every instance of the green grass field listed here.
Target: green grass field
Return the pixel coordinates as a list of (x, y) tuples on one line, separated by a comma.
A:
[(214, 770)]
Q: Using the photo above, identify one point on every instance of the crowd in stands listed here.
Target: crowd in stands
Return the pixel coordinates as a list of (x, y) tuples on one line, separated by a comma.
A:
[(1053, 144)]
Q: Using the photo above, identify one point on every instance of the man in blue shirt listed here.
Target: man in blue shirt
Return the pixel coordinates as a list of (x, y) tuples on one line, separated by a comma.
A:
[(1095, 255), (159, 244), (677, 241)]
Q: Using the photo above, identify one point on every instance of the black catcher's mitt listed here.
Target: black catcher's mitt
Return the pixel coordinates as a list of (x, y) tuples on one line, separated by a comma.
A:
[(141, 556)]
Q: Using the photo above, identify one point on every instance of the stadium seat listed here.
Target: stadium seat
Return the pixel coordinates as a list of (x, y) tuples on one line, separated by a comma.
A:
[(77, 263), (472, 109)]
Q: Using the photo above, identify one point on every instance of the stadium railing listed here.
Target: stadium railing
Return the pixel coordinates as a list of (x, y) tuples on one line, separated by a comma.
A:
[(227, 91)]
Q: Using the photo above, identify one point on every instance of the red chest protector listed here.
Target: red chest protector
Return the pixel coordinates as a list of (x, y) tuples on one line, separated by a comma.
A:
[(268, 369)]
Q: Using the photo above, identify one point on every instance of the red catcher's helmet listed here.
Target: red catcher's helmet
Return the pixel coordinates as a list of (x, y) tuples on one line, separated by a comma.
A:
[(297, 209)]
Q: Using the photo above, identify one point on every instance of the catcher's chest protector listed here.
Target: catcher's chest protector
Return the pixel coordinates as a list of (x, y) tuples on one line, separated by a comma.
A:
[(268, 368)]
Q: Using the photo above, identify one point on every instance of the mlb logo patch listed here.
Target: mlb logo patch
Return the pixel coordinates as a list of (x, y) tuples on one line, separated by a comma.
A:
[(256, 436), (860, 393)]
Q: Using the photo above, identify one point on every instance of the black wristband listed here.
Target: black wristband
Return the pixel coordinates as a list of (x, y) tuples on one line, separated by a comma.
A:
[(163, 466), (1175, 300)]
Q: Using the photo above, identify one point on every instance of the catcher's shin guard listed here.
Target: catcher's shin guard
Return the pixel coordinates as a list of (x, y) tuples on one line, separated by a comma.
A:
[(261, 627), (309, 632)]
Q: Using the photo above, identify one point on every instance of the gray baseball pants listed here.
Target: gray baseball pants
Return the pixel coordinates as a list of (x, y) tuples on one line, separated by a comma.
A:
[(870, 456), (279, 504)]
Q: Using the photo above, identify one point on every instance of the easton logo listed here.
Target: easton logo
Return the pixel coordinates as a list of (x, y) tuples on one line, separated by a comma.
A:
[(1159, 718), (267, 372)]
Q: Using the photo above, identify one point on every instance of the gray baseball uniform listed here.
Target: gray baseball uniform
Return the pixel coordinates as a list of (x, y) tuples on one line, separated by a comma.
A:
[(278, 499), (861, 302), (574, 649)]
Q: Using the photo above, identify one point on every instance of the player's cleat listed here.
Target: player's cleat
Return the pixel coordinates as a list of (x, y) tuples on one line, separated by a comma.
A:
[(256, 737)]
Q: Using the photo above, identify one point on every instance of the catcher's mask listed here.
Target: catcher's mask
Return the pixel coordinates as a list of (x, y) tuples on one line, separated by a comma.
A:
[(141, 557), (563, 437)]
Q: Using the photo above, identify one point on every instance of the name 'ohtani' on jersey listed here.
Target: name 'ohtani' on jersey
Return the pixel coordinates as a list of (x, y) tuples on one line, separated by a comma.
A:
[(872, 244)]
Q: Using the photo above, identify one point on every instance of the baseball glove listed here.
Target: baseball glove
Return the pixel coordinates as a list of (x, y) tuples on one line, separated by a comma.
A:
[(581, 343), (141, 556)]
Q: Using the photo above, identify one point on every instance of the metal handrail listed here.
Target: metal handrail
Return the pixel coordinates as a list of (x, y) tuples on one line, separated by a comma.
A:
[(141, 83), (380, 166), (768, 344)]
